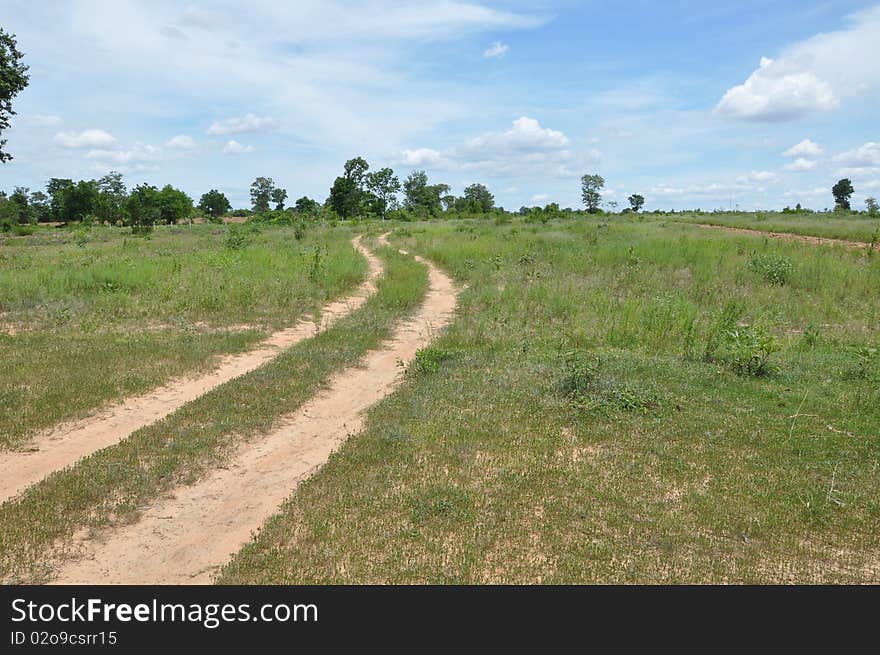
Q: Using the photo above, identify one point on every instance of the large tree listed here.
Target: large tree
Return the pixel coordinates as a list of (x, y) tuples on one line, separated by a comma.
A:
[(279, 195), (174, 204), (56, 188), (261, 193), (477, 198), (591, 191), (384, 186), (111, 198), (347, 195), (13, 80), (842, 191), (307, 207), (143, 207), (636, 202), (423, 198), (214, 204), (78, 201)]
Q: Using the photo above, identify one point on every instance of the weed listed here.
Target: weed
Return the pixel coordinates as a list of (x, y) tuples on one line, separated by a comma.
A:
[(776, 269), (749, 350), (428, 360), (237, 238)]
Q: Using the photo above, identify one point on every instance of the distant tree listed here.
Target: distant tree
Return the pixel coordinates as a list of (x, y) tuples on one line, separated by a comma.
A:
[(383, 185), (78, 201), (478, 198), (21, 196), (591, 191), (448, 201), (56, 188), (143, 207), (8, 213), (307, 207), (421, 197), (111, 199), (174, 205), (214, 204), (13, 80), (612, 205), (39, 202), (261, 193), (278, 196), (872, 207), (636, 202), (842, 192), (348, 195)]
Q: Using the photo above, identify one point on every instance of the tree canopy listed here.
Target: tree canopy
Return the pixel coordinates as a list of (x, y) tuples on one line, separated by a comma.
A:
[(13, 80)]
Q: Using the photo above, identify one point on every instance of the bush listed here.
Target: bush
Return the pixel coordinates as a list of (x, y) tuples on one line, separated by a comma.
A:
[(236, 238), (748, 350), (428, 360), (776, 269)]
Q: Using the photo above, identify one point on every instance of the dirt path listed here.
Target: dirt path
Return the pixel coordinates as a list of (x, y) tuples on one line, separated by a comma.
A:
[(816, 241), (67, 443), (186, 537)]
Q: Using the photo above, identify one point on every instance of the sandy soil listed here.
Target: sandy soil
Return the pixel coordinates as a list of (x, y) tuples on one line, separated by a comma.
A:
[(816, 241), (185, 537), (65, 444)]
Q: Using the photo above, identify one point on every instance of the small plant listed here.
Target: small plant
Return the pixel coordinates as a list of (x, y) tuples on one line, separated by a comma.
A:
[(317, 264), (810, 338), (776, 269), (867, 361), (23, 230), (632, 259), (578, 373), (749, 350), (236, 238), (299, 230), (720, 327), (428, 360)]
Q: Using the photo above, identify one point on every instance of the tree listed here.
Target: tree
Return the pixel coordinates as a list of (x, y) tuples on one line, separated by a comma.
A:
[(347, 195), (279, 195), (421, 197), (307, 207), (636, 202), (173, 204), (591, 188), (40, 204), (78, 201), (111, 199), (383, 185), (56, 188), (842, 192), (143, 207), (871, 206), (21, 197), (261, 193), (477, 198), (214, 204), (13, 80)]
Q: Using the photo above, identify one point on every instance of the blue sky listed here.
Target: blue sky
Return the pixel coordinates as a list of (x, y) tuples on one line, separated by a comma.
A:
[(691, 104)]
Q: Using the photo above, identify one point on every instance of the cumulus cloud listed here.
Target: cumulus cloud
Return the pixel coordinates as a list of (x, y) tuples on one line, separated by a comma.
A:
[(776, 92), (805, 148), (139, 153), (181, 142), (497, 49), (93, 138), (242, 125), (526, 148), (801, 164), (233, 147), (810, 76), (865, 156)]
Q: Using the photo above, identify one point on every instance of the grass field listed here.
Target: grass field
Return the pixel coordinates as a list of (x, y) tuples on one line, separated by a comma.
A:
[(849, 228), (91, 315), (615, 402)]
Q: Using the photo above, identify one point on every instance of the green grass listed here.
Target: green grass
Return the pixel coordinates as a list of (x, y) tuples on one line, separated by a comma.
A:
[(111, 486), (99, 314), (847, 227), (584, 420)]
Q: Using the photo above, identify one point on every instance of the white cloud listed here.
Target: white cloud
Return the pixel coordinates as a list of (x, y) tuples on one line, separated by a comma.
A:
[(539, 197), (800, 164), (423, 157), (865, 156), (181, 142), (526, 148), (86, 139), (497, 49), (41, 120), (776, 92), (757, 176), (811, 75), (233, 147), (805, 148), (139, 153), (242, 125)]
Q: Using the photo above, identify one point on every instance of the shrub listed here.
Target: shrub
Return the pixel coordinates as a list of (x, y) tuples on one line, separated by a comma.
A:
[(748, 350), (776, 269), (236, 238), (578, 373), (428, 360)]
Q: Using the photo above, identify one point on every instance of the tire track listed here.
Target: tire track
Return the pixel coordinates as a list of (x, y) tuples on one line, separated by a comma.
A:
[(185, 537)]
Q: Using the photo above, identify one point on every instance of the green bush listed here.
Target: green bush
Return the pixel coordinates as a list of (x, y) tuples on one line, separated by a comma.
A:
[(428, 360), (748, 350), (776, 269)]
